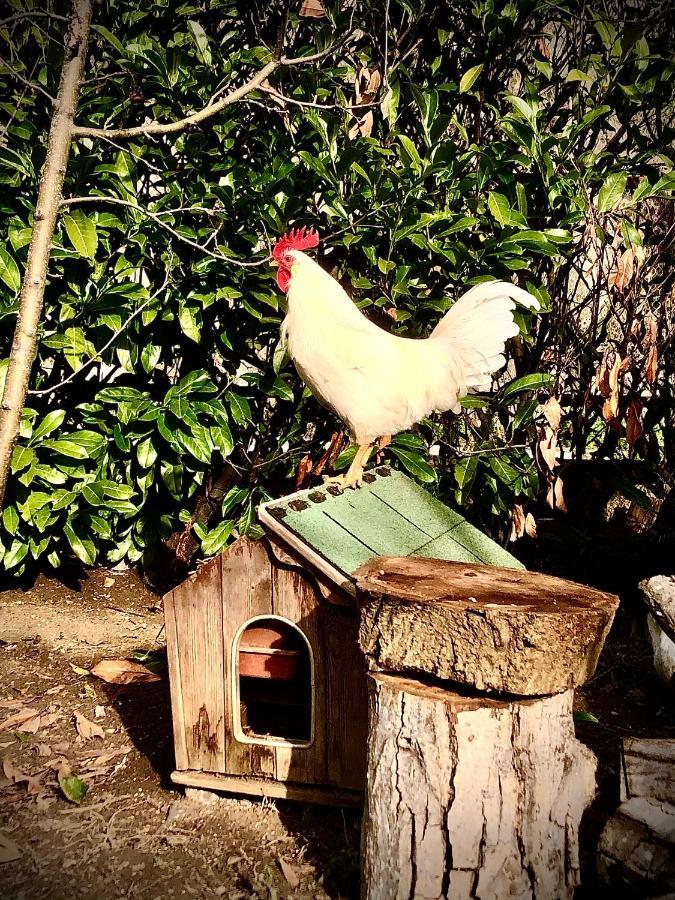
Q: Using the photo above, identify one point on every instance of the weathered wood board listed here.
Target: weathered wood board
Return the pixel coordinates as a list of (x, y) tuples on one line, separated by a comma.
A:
[(388, 515)]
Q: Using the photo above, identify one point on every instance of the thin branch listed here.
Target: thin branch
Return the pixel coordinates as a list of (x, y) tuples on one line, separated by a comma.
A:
[(32, 15), (31, 84), (99, 353), (273, 92), (153, 128), (94, 198)]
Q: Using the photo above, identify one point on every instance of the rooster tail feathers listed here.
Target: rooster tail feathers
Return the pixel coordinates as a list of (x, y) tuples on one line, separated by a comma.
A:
[(477, 328)]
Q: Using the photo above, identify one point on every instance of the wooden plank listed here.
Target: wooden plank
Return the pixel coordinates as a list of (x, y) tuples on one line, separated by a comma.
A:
[(294, 598), (259, 787), (198, 640), (346, 698), (483, 547), (374, 523), (446, 547), (246, 592), (175, 683), (415, 504), (343, 550)]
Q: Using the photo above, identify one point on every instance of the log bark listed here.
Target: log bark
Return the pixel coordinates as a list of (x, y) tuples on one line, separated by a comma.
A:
[(659, 596), (471, 797), (49, 196), (487, 628)]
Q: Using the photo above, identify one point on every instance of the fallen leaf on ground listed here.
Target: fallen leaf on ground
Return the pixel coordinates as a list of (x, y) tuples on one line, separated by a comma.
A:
[(73, 788), (9, 851), (87, 729), (108, 582), (290, 874), (78, 670), (99, 712), (18, 718), (123, 671)]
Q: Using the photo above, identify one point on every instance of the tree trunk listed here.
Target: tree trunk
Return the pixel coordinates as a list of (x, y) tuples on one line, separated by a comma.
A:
[(471, 797), (49, 196)]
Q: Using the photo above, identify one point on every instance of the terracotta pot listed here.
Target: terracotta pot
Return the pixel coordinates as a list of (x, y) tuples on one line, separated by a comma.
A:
[(266, 652)]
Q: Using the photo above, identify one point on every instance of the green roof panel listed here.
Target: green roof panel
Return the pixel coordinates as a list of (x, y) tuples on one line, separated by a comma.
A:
[(389, 515)]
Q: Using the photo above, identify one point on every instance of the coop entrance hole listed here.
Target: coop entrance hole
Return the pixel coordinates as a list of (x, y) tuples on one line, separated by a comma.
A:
[(273, 683)]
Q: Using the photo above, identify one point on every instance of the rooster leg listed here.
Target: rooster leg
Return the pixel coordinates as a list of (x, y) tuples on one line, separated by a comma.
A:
[(354, 475), (384, 441)]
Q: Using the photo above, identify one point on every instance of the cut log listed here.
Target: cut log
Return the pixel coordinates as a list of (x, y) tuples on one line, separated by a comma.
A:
[(471, 797), (488, 628), (637, 847), (659, 596), (649, 769), (663, 648)]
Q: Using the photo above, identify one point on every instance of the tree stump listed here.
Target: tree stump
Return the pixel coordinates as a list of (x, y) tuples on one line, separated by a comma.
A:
[(470, 794)]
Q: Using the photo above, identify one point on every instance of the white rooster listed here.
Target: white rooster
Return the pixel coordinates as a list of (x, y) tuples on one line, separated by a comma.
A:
[(377, 383)]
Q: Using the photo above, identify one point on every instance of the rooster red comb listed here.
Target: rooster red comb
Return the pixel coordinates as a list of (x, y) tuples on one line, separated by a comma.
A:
[(296, 239)]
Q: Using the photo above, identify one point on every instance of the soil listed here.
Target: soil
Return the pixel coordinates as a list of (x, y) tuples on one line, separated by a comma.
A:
[(134, 835)]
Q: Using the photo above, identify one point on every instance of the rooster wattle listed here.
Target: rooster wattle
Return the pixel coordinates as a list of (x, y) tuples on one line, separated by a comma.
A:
[(378, 383)]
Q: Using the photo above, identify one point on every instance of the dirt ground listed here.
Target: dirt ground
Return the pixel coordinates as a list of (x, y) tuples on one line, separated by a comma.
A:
[(134, 835)]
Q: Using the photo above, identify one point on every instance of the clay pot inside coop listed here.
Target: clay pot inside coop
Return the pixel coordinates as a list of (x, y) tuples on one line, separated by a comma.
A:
[(274, 683)]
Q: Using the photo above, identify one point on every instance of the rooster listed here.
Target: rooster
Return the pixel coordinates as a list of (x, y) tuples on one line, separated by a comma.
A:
[(378, 383)]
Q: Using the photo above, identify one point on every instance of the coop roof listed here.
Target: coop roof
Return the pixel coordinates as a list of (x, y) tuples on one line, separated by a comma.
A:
[(390, 515)]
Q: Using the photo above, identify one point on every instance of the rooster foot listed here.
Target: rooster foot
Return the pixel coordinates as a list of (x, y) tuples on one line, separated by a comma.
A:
[(353, 477)]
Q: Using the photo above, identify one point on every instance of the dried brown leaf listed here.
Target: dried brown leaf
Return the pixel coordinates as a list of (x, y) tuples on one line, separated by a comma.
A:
[(530, 526), (290, 873), (552, 411), (304, 469), (610, 408), (652, 364), (123, 671), (312, 9), (602, 376), (634, 427), (556, 496), (622, 274), (18, 718), (548, 447), (517, 522), (9, 851), (86, 729)]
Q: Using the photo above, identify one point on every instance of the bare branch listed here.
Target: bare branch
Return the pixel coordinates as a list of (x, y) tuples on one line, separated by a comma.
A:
[(211, 109), (156, 217), (30, 84), (32, 15)]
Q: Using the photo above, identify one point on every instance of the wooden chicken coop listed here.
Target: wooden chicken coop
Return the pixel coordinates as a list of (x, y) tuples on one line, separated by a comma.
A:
[(268, 684)]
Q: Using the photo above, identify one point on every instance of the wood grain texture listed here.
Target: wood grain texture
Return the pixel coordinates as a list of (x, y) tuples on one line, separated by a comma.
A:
[(196, 629), (259, 787), (637, 848), (648, 768), (489, 628), (175, 682), (470, 797), (246, 591)]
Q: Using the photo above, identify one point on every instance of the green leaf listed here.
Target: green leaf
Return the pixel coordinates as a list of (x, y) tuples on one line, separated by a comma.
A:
[(415, 464), (50, 423), (67, 448), (10, 519), (9, 271), (501, 209), (110, 38), (22, 457), (146, 453), (581, 715), (217, 538), (469, 77), (73, 788), (241, 409), (410, 151), (15, 555), (528, 383), (465, 471), (83, 548), (611, 191), (201, 41), (82, 233)]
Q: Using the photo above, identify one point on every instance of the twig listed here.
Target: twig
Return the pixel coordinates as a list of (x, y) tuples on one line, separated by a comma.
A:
[(312, 104), (31, 84), (153, 128), (72, 201), (32, 15), (99, 353)]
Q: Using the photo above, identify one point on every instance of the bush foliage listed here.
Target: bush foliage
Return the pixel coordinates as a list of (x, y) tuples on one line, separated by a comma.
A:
[(433, 145)]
